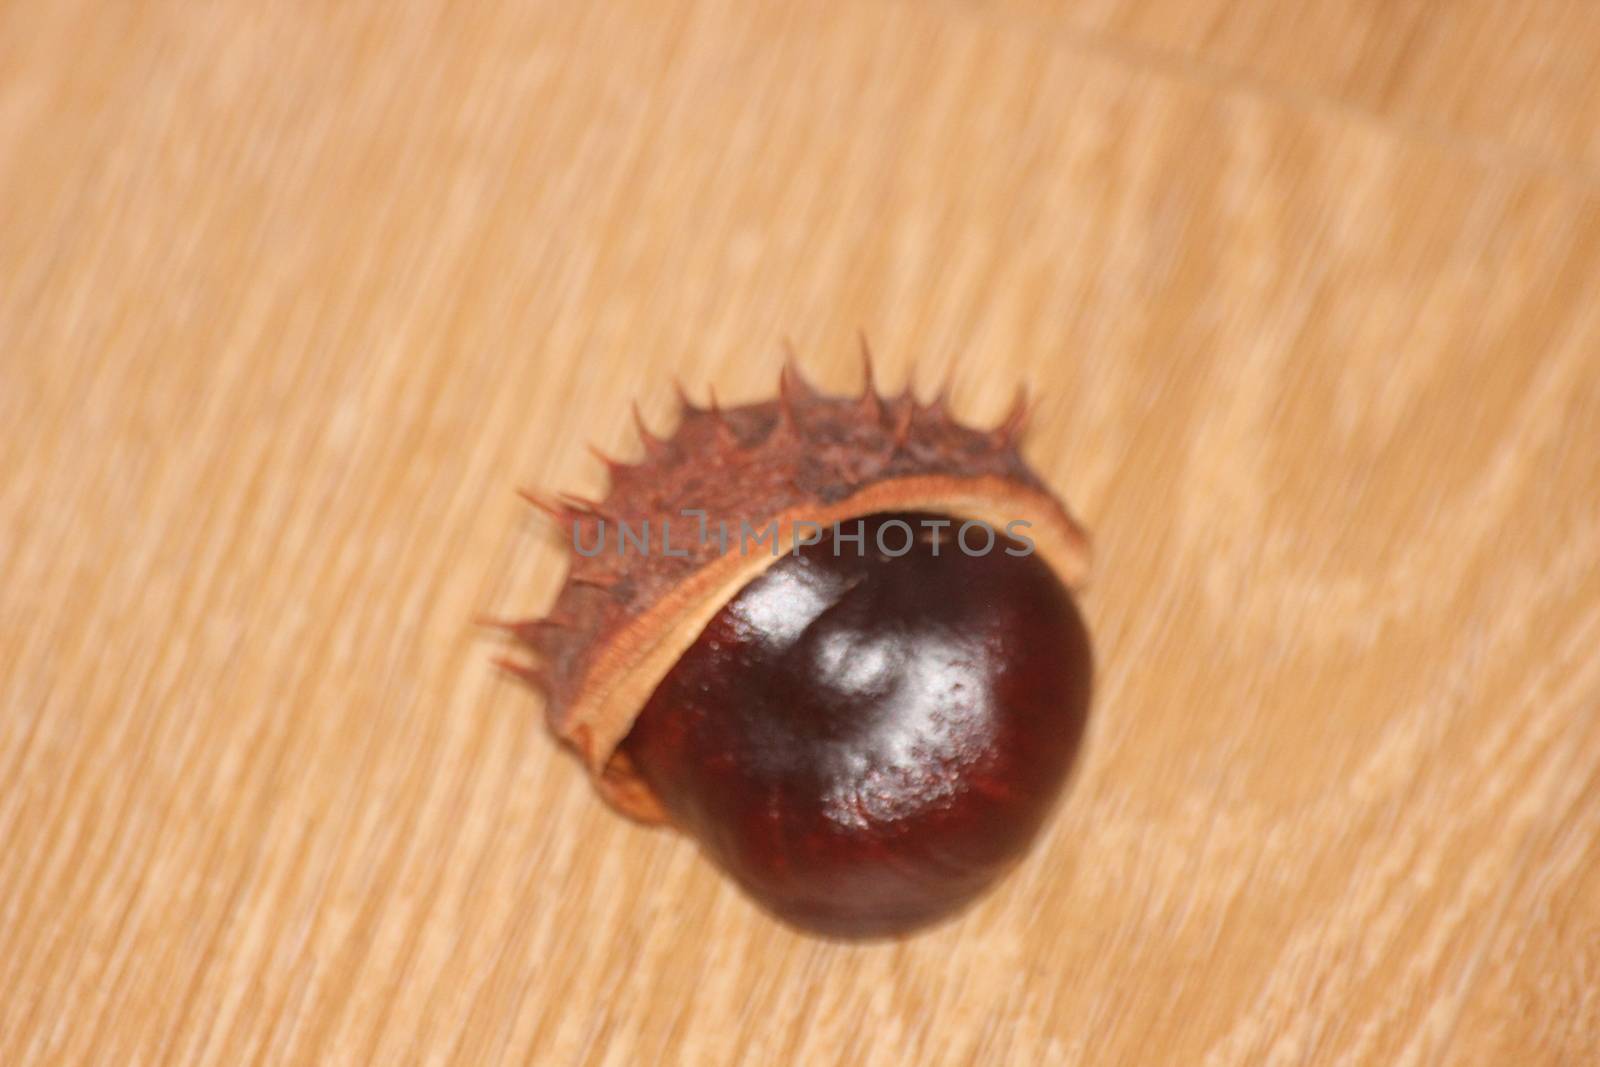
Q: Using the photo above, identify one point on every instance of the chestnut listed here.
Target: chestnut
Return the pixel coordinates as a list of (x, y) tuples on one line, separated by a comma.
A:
[(790, 648)]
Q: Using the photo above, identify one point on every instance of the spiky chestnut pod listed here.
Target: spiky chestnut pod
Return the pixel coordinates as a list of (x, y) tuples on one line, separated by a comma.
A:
[(866, 728)]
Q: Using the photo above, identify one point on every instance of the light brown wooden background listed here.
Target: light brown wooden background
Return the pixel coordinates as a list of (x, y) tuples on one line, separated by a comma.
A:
[(292, 295)]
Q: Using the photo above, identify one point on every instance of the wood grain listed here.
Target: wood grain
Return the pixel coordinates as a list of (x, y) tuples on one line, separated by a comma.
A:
[(1512, 82), (292, 296)]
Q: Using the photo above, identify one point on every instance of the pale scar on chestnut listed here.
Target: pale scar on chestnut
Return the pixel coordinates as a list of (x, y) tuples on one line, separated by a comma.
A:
[(864, 730)]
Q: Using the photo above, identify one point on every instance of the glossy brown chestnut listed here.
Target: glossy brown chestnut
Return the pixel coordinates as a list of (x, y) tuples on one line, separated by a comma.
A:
[(863, 739), (865, 742)]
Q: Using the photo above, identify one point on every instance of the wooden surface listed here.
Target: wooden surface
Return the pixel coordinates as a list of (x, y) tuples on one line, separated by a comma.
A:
[(291, 297)]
